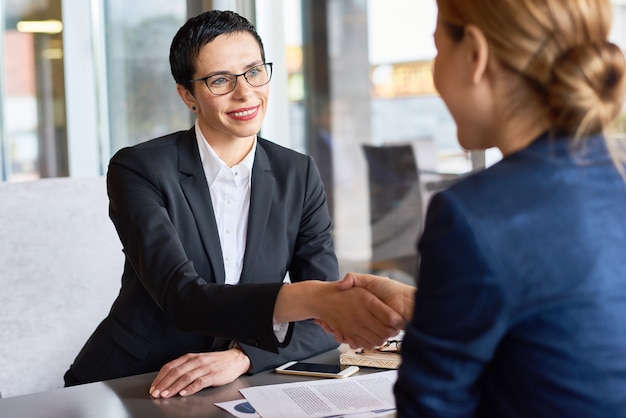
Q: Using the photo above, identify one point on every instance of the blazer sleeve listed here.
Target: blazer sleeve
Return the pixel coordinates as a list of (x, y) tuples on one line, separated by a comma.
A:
[(459, 316), (313, 258), (145, 201)]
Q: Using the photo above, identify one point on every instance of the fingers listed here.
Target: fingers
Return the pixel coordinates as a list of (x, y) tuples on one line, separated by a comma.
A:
[(336, 333), (338, 336), (359, 280), (399, 296), (323, 325), (373, 335), (367, 340), (175, 376), (364, 310), (362, 319), (353, 344), (194, 372), (168, 373), (381, 310)]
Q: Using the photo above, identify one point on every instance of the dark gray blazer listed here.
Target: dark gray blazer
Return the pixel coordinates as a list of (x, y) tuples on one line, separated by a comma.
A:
[(173, 299)]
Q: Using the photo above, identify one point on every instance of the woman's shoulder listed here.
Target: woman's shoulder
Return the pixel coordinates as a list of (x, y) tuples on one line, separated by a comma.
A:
[(280, 156), (273, 148), (170, 139), (161, 145)]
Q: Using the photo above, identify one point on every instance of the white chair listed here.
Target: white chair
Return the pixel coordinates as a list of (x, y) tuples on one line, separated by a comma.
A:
[(60, 269)]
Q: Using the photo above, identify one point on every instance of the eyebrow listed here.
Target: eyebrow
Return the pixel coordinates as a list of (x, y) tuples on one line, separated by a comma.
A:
[(224, 72)]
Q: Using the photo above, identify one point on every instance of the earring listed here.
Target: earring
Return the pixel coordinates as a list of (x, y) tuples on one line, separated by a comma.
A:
[(193, 108)]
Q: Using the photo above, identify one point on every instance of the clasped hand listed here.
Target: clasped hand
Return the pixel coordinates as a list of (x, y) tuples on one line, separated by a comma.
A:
[(368, 310)]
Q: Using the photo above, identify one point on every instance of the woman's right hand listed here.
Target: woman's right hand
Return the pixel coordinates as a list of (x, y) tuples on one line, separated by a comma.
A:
[(396, 295)]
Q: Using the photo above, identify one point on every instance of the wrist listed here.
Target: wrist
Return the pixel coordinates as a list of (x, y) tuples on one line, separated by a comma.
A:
[(242, 357), (300, 301)]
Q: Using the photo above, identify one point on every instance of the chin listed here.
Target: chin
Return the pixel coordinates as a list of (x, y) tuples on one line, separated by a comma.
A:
[(464, 142), (471, 143), (245, 132), (248, 134)]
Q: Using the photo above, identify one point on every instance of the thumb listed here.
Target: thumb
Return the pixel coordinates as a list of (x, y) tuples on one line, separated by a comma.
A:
[(347, 282)]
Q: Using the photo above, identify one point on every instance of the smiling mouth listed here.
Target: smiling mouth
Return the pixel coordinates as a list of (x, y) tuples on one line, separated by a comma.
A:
[(244, 113)]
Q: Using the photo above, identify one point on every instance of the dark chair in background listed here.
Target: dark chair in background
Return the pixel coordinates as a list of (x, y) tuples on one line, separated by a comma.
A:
[(398, 198)]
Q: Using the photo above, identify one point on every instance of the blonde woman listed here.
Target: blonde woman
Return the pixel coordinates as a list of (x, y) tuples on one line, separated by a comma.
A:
[(521, 305)]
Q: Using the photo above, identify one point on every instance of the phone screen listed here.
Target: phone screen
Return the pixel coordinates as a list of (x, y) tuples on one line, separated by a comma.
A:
[(314, 367)]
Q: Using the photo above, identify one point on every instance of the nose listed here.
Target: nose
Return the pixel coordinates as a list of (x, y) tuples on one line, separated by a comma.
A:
[(242, 88)]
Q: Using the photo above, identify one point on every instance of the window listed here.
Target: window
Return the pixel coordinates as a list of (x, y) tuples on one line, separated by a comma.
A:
[(141, 94), (104, 64), (34, 139), (363, 105)]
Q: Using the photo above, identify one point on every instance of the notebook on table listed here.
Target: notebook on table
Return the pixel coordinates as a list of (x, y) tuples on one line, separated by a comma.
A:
[(386, 356)]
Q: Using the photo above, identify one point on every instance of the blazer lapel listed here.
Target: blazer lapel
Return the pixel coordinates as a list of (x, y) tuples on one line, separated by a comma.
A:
[(261, 196), (196, 191)]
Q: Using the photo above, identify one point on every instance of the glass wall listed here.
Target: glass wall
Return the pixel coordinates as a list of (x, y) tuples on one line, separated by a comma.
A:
[(363, 105), (362, 102), (142, 99), (34, 140), (120, 84), (351, 86)]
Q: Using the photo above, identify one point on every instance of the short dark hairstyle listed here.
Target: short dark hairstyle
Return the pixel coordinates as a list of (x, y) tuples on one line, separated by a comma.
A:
[(199, 31)]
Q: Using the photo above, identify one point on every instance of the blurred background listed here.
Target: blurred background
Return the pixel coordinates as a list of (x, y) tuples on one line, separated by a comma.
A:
[(351, 86)]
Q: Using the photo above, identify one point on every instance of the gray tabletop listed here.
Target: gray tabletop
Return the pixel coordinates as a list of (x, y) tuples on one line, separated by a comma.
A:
[(128, 397)]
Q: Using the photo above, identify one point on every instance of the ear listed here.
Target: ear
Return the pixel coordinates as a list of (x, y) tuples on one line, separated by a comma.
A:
[(478, 52), (186, 96)]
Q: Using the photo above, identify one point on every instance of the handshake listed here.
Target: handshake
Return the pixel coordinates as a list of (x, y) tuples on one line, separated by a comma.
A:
[(362, 310)]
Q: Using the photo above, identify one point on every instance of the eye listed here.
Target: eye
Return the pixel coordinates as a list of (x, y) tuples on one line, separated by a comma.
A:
[(220, 80), (254, 72)]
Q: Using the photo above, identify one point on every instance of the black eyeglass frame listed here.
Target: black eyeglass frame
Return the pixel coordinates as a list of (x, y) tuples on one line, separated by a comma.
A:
[(388, 347), (234, 84)]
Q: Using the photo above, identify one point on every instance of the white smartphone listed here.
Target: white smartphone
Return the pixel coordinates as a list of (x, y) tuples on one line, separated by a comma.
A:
[(317, 370)]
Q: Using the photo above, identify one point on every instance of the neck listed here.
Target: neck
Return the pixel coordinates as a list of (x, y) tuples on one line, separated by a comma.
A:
[(229, 148), (516, 135), (233, 151)]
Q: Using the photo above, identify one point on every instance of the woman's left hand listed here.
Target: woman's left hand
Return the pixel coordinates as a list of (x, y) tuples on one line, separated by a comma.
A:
[(195, 371)]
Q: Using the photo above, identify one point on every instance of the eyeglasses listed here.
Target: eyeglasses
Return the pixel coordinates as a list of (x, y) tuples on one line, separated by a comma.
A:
[(391, 346), (220, 84)]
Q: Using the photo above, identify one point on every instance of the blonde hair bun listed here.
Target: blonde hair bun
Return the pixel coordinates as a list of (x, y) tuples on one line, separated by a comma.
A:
[(587, 86)]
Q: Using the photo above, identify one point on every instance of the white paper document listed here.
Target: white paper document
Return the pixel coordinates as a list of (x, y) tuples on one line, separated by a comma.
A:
[(367, 395)]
